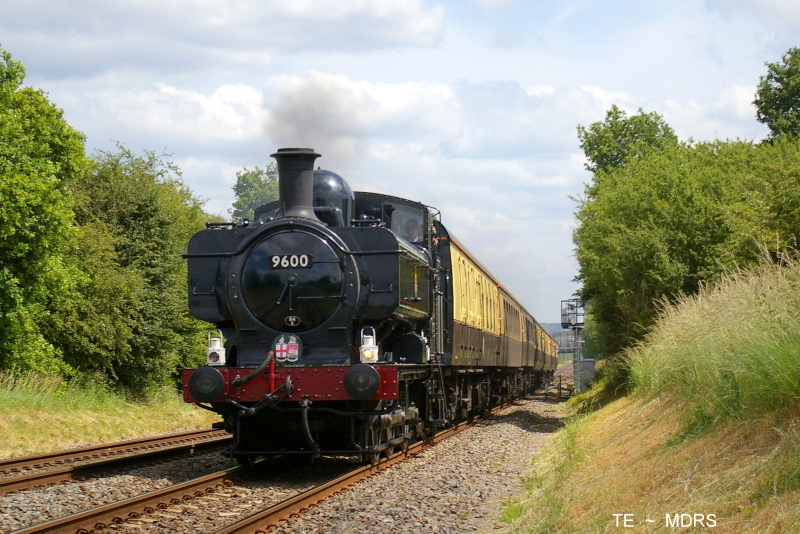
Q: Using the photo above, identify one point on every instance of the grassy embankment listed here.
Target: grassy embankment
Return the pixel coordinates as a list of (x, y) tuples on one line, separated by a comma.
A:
[(710, 426), (45, 413)]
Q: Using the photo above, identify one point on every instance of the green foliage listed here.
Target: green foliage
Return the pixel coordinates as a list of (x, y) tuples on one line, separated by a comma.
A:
[(253, 189), (651, 229), (731, 351), (128, 318), (610, 384), (778, 95), (619, 138), (91, 277), (625, 252), (668, 221), (661, 218), (541, 507), (764, 214), (39, 155)]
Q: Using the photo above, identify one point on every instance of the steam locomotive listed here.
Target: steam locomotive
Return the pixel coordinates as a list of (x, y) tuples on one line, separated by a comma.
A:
[(351, 323)]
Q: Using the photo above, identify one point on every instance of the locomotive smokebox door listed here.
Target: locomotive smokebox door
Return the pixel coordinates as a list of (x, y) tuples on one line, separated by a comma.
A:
[(292, 279)]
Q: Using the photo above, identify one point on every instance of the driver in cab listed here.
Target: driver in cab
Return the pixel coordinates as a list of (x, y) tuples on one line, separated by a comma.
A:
[(412, 231)]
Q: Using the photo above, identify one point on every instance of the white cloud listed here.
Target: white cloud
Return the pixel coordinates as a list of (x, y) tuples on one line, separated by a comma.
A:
[(603, 98), (492, 6), (726, 117), (780, 13), (246, 22), (508, 39), (540, 91), (211, 178), (738, 99), (230, 113), (91, 36)]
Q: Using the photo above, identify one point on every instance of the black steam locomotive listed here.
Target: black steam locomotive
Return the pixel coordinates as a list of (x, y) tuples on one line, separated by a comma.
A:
[(352, 323)]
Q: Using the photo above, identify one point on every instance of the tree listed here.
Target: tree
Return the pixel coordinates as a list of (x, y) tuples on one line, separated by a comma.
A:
[(778, 95), (613, 142), (128, 318), (669, 222), (253, 189), (764, 216), (91, 276), (40, 154), (654, 229)]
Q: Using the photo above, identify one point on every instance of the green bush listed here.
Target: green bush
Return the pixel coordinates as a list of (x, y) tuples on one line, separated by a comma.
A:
[(127, 318)]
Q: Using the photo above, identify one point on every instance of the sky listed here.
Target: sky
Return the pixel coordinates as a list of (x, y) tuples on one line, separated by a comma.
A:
[(470, 107)]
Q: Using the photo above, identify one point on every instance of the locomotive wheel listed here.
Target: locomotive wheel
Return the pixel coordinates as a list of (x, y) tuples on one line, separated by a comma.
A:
[(373, 441), (372, 437)]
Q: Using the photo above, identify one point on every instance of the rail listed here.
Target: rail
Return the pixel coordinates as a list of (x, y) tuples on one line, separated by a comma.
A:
[(115, 513), (36, 469)]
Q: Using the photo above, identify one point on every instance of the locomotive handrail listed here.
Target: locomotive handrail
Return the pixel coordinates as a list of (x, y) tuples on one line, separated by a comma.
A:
[(248, 240), (368, 222), (374, 252), (196, 294), (373, 290)]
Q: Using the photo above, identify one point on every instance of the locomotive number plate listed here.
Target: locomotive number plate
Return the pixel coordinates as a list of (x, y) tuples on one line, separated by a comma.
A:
[(291, 261)]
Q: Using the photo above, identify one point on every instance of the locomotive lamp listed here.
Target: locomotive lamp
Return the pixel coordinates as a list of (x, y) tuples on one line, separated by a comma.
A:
[(368, 349), (215, 353)]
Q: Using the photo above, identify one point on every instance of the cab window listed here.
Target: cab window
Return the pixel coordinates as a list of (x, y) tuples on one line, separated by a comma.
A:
[(407, 222)]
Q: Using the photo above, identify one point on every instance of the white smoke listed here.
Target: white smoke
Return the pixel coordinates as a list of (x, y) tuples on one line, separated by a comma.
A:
[(336, 116)]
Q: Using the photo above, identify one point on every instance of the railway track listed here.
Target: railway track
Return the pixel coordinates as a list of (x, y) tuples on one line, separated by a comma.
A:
[(262, 521), (140, 509), (119, 512), (42, 469)]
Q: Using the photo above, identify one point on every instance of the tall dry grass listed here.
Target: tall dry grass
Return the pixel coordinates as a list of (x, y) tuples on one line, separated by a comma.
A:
[(730, 352)]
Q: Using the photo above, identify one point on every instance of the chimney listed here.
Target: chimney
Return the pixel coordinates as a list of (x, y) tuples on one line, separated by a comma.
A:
[(296, 181)]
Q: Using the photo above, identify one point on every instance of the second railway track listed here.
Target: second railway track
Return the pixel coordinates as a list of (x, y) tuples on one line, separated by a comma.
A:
[(37, 470)]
